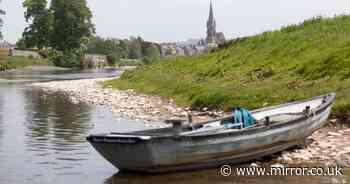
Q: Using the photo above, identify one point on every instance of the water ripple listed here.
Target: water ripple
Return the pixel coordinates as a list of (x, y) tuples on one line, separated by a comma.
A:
[(42, 135)]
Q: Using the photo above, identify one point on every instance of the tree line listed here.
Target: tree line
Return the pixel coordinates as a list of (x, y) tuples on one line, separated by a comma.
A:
[(2, 12), (119, 49), (63, 32), (59, 29)]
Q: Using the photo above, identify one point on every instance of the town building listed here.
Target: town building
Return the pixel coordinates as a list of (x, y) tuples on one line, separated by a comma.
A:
[(196, 46)]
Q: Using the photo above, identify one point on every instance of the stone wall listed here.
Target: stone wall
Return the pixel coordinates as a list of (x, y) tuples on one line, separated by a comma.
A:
[(95, 61), (4, 52), (24, 53)]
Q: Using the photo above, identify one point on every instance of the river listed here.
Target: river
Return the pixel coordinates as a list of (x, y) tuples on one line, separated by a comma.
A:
[(42, 139)]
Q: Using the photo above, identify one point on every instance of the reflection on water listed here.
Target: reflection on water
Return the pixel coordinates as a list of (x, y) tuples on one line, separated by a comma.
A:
[(42, 140), (42, 136), (54, 124), (55, 119)]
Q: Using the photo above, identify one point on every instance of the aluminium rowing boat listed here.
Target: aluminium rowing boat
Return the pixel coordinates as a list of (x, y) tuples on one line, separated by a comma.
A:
[(211, 143)]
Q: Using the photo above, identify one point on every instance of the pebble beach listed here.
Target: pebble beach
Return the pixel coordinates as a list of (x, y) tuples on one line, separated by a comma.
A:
[(152, 110), (329, 146)]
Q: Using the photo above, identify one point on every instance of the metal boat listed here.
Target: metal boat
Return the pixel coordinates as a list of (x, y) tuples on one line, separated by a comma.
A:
[(186, 146)]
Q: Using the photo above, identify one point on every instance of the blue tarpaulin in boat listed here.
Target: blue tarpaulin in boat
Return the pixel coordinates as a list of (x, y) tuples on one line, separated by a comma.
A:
[(242, 118)]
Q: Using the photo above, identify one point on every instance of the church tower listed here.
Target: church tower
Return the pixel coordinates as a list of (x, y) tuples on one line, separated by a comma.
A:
[(211, 26)]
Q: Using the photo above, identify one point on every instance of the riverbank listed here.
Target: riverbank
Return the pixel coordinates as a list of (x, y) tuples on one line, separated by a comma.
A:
[(329, 146), (262, 70), (127, 103), (11, 63)]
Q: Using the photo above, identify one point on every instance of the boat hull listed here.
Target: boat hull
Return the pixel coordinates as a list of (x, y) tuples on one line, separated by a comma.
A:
[(176, 153)]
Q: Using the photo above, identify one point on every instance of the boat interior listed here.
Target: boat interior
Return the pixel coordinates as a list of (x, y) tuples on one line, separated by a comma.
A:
[(264, 117)]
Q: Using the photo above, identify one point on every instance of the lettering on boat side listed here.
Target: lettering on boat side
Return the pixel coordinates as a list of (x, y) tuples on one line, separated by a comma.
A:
[(280, 170)]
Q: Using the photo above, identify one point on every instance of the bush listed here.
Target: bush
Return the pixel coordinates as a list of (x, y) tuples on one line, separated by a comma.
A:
[(67, 59), (147, 60), (342, 112), (112, 59), (209, 99)]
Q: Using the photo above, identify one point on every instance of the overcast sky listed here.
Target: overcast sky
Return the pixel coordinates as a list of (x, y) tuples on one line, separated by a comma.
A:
[(176, 20)]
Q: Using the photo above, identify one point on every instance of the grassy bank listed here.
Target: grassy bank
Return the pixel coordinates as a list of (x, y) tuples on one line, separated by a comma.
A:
[(129, 62), (296, 62), (9, 63)]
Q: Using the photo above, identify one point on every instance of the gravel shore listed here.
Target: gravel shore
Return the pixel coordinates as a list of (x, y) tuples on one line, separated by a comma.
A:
[(122, 103), (329, 146)]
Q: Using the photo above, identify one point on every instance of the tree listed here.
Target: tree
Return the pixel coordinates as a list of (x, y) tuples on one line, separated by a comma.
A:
[(98, 45), (38, 33), (72, 24), (21, 44), (2, 12), (123, 49), (135, 48), (151, 54)]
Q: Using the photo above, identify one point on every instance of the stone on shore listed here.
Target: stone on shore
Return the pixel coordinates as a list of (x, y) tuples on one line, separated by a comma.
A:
[(127, 104), (329, 147)]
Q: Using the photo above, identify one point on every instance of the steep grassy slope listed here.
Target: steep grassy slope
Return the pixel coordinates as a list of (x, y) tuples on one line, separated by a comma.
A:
[(296, 62)]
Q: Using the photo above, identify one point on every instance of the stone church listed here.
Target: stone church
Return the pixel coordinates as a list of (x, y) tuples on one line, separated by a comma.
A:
[(213, 38), (195, 46)]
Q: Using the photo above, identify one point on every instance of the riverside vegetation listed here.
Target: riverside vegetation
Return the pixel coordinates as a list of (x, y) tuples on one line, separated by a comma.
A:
[(62, 31), (58, 29), (10, 63), (295, 62)]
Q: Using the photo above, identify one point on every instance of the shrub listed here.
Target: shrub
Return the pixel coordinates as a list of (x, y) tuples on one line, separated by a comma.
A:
[(147, 60), (112, 59), (67, 59), (342, 112), (210, 99)]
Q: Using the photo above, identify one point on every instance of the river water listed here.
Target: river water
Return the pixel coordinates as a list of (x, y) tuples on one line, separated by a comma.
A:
[(42, 139)]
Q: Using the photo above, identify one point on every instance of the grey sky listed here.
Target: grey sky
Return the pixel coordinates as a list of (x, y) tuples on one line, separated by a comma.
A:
[(176, 20)]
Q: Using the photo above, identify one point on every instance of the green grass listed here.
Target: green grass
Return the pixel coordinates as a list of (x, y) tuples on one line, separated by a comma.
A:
[(129, 62), (296, 62), (8, 63)]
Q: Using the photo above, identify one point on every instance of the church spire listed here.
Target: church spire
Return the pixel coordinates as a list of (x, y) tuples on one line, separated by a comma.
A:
[(211, 13), (211, 26)]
